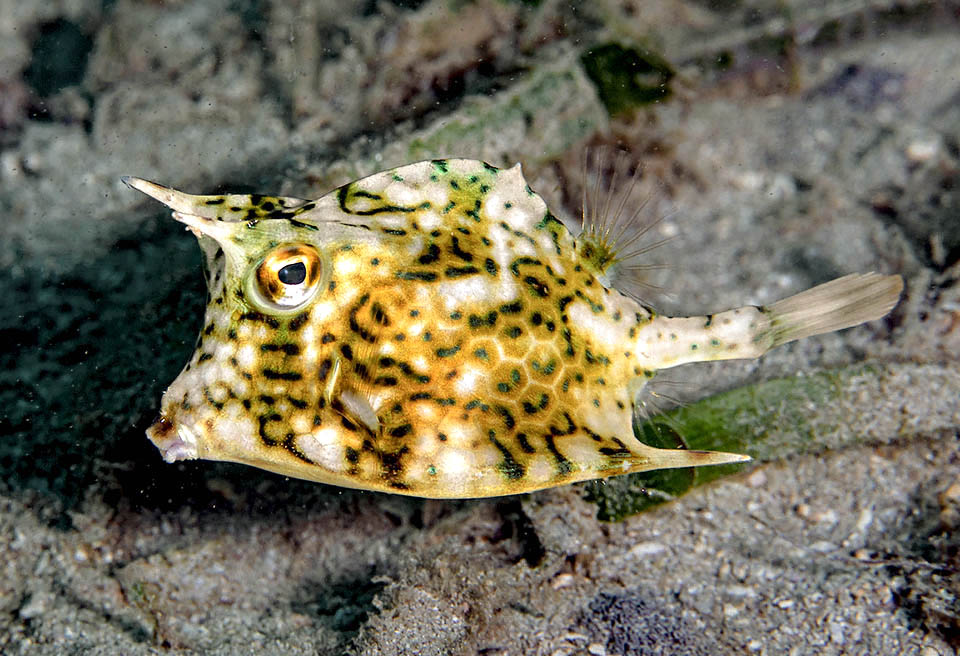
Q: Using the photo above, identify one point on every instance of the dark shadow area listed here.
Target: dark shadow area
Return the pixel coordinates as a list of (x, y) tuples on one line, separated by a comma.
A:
[(59, 59), (924, 553), (342, 606), (87, 355), (85, 359), (517, 534)]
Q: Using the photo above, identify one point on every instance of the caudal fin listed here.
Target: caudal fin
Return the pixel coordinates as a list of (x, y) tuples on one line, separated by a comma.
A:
[(840, 303)]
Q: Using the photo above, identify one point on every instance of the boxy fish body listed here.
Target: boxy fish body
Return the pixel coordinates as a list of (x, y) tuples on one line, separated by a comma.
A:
[(434, 330)]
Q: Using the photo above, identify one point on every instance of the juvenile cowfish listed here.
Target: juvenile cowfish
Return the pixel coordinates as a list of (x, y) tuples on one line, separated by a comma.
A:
[(434, 330)]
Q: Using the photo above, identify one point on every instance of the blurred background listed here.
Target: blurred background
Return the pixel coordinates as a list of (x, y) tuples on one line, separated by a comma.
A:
[(785, 142)]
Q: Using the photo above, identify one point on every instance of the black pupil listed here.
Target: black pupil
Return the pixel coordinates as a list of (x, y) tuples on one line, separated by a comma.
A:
[(293, 274)]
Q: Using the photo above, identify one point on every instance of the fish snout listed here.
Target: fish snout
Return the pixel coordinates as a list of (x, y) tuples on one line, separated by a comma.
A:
[(174, 439)]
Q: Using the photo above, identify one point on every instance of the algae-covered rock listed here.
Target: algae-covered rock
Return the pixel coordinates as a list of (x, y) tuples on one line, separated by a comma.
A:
[(870, 404)]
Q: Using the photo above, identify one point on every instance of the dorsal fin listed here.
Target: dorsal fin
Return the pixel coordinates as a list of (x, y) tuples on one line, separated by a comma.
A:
[(618, 217)]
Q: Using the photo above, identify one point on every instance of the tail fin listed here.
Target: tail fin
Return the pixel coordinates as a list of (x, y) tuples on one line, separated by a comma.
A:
[(840, 303)]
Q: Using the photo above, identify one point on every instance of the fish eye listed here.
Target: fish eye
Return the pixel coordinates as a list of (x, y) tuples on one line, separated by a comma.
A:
[(293, 274), (288, 277)]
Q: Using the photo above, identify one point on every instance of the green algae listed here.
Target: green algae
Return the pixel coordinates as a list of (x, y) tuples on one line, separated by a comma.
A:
[(626, 77), (772, 420), (554, 107)]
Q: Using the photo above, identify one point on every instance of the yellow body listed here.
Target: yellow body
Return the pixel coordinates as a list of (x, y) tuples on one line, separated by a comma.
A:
[(447, 339)]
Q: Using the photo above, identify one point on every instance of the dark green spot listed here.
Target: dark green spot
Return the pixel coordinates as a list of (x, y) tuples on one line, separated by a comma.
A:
[(426, 276), (627, 77)]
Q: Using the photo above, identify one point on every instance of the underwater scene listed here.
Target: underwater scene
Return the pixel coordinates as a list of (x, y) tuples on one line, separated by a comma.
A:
[(493, 327)]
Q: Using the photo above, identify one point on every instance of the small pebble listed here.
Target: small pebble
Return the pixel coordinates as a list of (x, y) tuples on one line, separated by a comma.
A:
[(757, 478), (596, 649), (823, 546), (922, 150), (836, 633), (950, 506), (647, 549), (810, 514), (575, 637)]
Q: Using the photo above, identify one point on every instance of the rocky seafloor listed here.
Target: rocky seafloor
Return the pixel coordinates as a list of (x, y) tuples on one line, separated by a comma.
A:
[(794, 142)]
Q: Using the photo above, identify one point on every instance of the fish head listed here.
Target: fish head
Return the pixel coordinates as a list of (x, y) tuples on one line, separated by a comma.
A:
[(246, 387)]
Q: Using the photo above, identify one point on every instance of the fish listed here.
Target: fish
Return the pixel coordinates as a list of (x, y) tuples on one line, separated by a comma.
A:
[(434, 330)]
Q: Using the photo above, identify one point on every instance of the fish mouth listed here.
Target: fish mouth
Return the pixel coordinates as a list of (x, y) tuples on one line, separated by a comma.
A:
[(175, 440)]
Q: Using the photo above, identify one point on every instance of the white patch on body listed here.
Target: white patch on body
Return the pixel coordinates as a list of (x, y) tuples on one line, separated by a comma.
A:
[(301, 423), (322, 311), (437, 194), (457, 437), (453, 464), (240, 387), (310, 354), (508, 290), (246, 356), (323, 446), (308, 333), (429, 221), (426, 444), (219, 393), (393, 220), (581, 450), (493, 206), (213, 371), (234, 433), (516, 217), (426, 411), (401, 193), (467, 290), (223, 351), (345, 266), (556, 264), (467, 381), (414, 244), (599, 326), (608, 421), (541, 468), (502, 253)]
